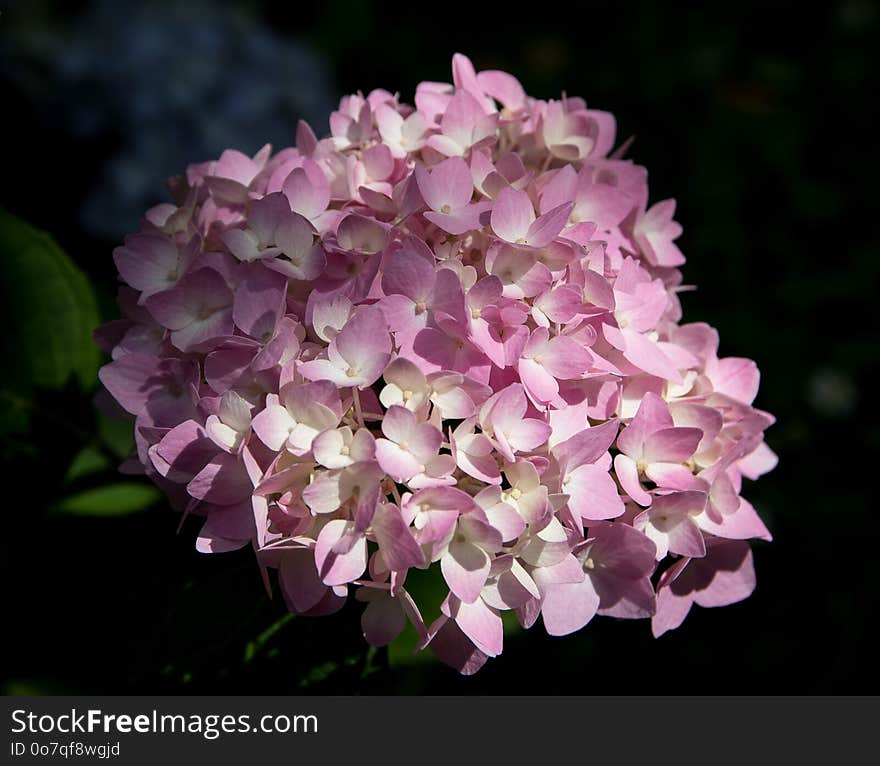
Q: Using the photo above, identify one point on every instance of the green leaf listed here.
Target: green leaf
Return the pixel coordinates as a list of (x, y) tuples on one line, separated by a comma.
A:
[(318, 674), (88, 461), (428, 589), (253, 648), (117, 434), (402, 650), (49, 311), (120, 499)]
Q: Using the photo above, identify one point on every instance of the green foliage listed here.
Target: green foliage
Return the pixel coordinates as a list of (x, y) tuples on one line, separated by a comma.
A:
[(88, 461), (428, 589), (49, 306), (118, 499), (48, 314)]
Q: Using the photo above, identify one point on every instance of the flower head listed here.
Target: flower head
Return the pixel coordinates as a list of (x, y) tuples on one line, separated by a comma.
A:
[(443, 337)]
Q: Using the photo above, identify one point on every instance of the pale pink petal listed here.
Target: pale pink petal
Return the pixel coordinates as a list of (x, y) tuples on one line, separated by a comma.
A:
[(672, 476), (339, 568), (628, 476), (671, 445), (592, 493), (223, 481), (642, 352), (652, 415), (743, 524), (465, 567), (567, 607), (540, 384), (365, 343), (454, 648), (398, 424), (273, 425), (586, 446), (398, 463), (527, 435), (399, 548), (447, 186), (545, 229), (512, 215), (480, 623)]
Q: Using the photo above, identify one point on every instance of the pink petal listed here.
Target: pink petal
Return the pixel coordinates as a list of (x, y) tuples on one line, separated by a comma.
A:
[(565, 359), (512, 215), (567, 607), (184, 451), (672, 608), (642, 352), (506, 520), (538, 381), (447, 186), (150, 263), (671, 445), (399, 548), (465, 567), (653, 415), (560, 304), (732, 574), (410, 272), (362, 235), (587, 446), (454, 648), (339, 568), (364, 342), (382, 621), (743, 524), (398, 463), (273, 426), (146, 385), (299, 580), (511, 589), (260, 300), (480, 623), (628, 476), (502, 87), (737, 378), (482, 466), (529, 434), (625, 598), (545, 229), (398, 423), (758, 462), (671, 476), (425, 441), (223, 481), (593, 493)]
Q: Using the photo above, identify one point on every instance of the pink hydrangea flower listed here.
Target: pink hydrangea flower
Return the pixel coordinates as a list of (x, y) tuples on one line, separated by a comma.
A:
[(443, 336)]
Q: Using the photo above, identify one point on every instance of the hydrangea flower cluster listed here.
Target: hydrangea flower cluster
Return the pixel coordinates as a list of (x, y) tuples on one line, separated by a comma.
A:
[(447, 336)]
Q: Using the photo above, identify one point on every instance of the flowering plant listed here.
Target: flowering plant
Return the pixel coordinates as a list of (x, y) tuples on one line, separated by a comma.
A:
[(444, 336)]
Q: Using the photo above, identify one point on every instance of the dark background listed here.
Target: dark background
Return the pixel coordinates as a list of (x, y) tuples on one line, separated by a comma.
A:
[(755, 116)]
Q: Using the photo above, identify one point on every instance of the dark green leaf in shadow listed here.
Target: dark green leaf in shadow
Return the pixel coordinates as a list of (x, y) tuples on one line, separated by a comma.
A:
[(428, 589), (88, 461), (48, 313), (120, 499)]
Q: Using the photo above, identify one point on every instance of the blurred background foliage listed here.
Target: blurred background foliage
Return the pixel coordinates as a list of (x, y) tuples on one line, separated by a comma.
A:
[(754, 115)]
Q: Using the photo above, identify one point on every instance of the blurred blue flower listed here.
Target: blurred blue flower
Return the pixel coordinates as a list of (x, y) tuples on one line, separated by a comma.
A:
[(166, 84)]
